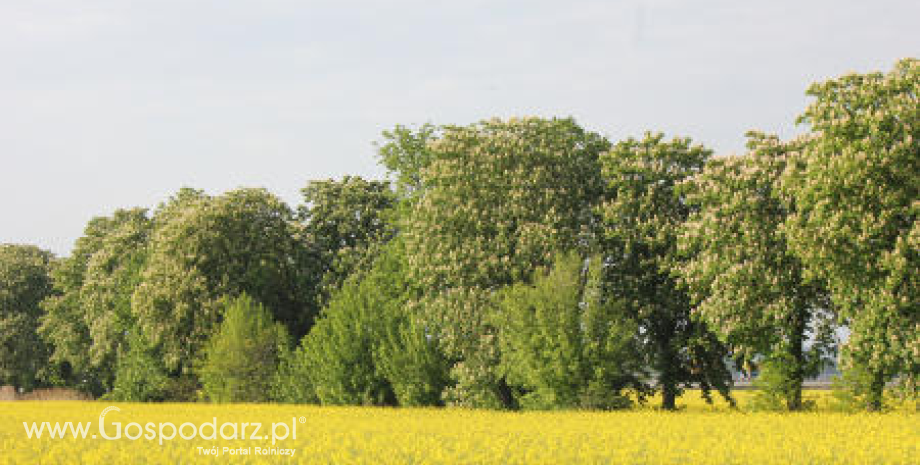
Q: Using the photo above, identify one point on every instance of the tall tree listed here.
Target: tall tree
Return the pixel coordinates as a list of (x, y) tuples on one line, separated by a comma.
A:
[(89, 317), (564, 344), (499, 198), (746, 282), (643, 215), (25, 280), (205, 249), (345, 224), (857, 188)]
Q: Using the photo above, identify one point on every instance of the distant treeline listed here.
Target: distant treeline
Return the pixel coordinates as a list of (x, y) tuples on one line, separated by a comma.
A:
[(523, 263)]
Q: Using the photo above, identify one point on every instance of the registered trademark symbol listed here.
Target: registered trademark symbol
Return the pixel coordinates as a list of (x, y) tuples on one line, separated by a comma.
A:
[(303, 419)]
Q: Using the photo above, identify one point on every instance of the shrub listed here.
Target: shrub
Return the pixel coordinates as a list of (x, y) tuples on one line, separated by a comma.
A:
[(242, 357)]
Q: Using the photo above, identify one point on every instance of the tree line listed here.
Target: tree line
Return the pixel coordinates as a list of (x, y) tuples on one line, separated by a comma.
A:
[(513, 264)]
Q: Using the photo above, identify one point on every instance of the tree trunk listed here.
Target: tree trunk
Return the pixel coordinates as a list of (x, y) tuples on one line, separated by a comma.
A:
[(668, 373), (876, 392), (797, 351), (668, 397)]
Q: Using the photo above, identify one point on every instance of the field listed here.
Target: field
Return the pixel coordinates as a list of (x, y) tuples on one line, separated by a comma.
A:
[(697, 434)]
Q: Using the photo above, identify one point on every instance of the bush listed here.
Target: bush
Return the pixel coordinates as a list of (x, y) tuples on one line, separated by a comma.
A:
[(562, 345), (777, 386), (291, 383), (242, 357), (139, 374), (365, 348)]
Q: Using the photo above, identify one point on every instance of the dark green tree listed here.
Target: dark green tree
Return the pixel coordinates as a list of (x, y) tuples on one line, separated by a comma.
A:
[(642, 214), (344, 222)]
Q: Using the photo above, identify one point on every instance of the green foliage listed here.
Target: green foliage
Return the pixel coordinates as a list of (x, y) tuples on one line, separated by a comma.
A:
[(364, 349), (499, 198), (207, 248), (242, 357), (339, 350), (407, 354), (344, 224), (642, 214), (857, 185), (140, 375), (24, 282), (406, 153), (291, 383), (776, 384), (853, 390), (563, 344)]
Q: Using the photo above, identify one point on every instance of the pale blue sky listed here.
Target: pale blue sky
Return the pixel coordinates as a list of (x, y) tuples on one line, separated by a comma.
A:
[(107, 104)]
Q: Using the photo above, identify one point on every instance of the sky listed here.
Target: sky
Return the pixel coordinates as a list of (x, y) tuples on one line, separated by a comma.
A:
[(113, 104)]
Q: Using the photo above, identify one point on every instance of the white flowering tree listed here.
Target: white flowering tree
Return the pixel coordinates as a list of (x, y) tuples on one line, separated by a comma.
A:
[(89, 317), (24, 281), (746, 282), (206, 249), (857, 189), (499, 198)]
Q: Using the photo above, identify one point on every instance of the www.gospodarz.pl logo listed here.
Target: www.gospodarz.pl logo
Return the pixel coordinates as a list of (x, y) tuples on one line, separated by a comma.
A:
[(168, 431)]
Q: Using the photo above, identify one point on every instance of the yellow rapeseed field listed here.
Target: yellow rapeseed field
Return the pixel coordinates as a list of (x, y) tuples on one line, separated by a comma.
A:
[(697, 434)]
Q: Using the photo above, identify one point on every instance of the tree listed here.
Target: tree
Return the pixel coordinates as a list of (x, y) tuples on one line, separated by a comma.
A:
[(205, 249), (856, 186), (643, 215), (406, 153), (362, 350), (89, 315), (344, 222), (564, 344), (24, 282), (242, 356), (499, 199), (747, 284)]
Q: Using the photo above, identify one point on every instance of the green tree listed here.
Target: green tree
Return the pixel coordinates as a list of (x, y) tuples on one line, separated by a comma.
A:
[(205, 249), (243, 355), (25, 281), (857, 186), (344, 223), (90, 313), (140, 375), (362, 351), (746, 282), (643, 215), (499, 199), (564, 344), (405, 153)]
